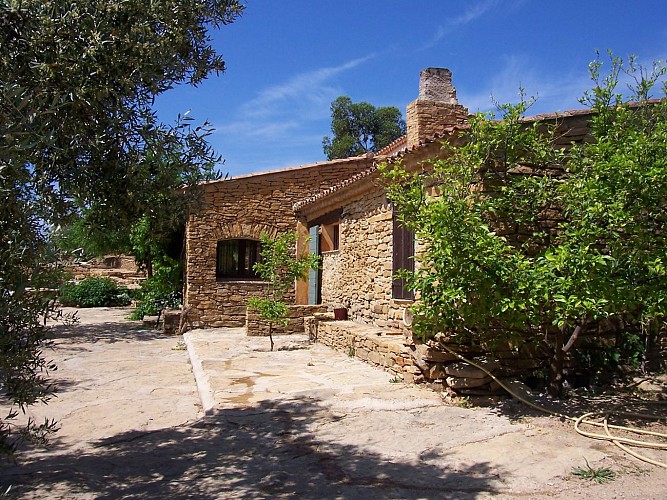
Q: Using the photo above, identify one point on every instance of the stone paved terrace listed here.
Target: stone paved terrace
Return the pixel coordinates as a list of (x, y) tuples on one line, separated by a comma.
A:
[(303, 421)]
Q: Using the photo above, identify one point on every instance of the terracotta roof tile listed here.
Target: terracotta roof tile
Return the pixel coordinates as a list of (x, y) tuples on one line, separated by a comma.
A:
[(398, 150), (394, 147)]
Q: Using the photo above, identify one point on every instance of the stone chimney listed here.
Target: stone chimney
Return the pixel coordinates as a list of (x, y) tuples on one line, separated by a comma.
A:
[(435, 109)]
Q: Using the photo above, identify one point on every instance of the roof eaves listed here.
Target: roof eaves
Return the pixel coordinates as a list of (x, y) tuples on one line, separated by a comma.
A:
[(364, 174), (353, 159), (394, 147)]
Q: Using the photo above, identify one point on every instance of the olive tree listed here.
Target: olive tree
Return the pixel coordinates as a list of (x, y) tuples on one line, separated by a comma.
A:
[(78, 133)]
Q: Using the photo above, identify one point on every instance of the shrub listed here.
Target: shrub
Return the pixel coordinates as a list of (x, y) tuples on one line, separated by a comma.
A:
[(94, 292), (160, 291)]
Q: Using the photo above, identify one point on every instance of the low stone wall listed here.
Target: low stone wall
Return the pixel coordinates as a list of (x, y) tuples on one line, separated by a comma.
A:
[(120, 268), (415, 362), (400, 355), (224, 303), (368, 343), (258, 327)]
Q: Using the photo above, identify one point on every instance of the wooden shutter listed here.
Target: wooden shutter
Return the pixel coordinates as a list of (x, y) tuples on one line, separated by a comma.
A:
[(403, 258), (313, 275)]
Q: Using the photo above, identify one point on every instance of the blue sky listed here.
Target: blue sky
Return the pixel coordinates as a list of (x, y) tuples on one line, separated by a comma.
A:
[(288, 59)]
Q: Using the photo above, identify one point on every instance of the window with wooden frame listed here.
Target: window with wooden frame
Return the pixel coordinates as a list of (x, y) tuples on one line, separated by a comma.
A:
[(235, 259), (330, 237), (403, 258)]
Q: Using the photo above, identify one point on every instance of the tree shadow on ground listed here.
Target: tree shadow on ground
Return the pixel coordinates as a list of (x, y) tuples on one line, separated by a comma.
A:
[(266, 451), (626, 406), (109, 332)]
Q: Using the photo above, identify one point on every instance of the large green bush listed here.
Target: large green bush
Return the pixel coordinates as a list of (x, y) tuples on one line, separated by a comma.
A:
[(94, 292), (602, 257)]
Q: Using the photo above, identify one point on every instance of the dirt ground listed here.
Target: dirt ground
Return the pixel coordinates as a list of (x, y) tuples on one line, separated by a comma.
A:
[(301, 422)]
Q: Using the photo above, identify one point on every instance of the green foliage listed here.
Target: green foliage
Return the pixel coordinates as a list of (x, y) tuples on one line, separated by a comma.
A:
[(599, 475), (27, 266), (599, 361), (474, 280), (94, 292), (80, 240), (605, 258), (361, 127), (162, 290), (79, 137), (271, 310), (616, 197), (279, 266), (78, 83)]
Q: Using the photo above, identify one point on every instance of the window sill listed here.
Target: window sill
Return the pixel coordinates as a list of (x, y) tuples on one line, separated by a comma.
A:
[(240, 280), (402, 302)]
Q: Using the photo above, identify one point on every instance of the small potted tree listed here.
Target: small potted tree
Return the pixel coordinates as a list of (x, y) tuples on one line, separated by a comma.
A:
[(281, 267)]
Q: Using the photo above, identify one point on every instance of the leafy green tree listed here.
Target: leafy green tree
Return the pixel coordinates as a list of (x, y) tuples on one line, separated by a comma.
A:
[(605, 258), (81, 240), (360, 127), (23, 251), (615, 196), (79, 136), (280, 267)]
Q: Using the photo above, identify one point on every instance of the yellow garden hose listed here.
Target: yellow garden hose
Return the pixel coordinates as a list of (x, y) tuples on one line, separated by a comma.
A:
[(585, 419)]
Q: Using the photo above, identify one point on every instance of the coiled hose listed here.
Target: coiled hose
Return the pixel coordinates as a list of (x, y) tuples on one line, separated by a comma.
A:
[(586, 419)]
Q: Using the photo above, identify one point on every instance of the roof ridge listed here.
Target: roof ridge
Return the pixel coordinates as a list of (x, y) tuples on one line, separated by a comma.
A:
[(351, 159), (393, 145)]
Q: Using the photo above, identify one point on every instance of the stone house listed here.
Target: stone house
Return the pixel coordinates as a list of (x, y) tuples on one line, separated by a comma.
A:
[(341, 208), (371, 246), (222, 237), (335, 204)]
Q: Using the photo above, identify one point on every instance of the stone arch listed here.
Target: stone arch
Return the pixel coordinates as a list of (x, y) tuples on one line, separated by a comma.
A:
[(237, 230)]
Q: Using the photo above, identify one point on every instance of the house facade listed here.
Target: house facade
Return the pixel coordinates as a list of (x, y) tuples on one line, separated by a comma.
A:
[(360, 273), (222, 237), (372, 244), (340, 207), (341, 212)]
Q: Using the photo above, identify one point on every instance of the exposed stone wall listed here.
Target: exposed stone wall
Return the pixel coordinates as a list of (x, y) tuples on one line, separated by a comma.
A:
[(359, 275), (258, 327), (370, 344), (120, 268), (246, 208)]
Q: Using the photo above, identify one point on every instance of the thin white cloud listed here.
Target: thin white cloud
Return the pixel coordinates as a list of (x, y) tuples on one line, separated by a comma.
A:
[(307, 87), (554, 92), (277, 121), (473, 12), (254, 130), (439, 35)]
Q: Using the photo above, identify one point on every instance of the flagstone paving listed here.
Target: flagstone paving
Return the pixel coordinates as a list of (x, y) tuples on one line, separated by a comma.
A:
[(143, 417)]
